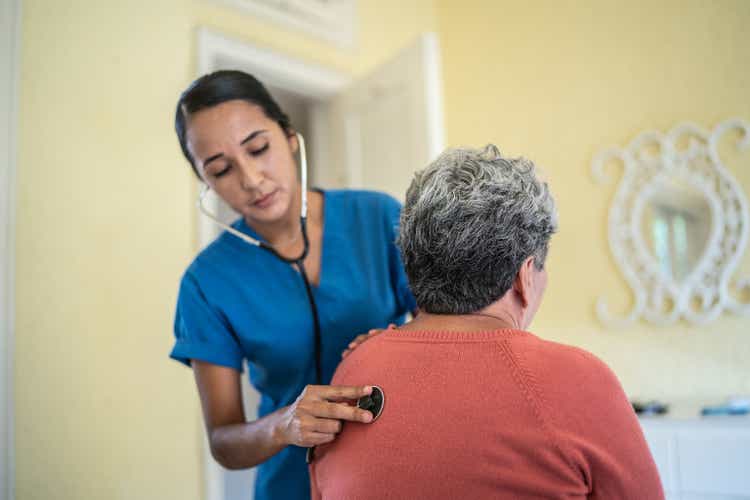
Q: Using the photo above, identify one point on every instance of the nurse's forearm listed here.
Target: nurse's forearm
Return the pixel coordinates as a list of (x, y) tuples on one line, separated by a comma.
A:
[(241, 446), (314, 418)]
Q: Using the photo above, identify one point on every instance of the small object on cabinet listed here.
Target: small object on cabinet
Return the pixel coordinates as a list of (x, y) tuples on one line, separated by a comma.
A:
[(732, 406), (650, 408)]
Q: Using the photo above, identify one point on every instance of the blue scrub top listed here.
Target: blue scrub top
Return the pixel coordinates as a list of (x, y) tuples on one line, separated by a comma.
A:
[(238, 301)]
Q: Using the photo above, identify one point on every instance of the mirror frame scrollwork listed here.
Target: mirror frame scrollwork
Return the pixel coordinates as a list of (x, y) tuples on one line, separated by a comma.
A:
[(688, 153)]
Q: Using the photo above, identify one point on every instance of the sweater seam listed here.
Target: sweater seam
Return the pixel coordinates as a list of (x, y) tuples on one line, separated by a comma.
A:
[(534, 397)]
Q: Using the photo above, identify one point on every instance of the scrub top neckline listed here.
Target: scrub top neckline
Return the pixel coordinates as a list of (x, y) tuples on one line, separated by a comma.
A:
[(243, 226)]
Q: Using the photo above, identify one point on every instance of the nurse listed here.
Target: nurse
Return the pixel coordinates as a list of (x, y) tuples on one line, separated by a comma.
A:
[(241, 302)]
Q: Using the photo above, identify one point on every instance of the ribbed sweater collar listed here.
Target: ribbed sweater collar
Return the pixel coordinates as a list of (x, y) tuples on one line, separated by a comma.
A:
[(454, 336)]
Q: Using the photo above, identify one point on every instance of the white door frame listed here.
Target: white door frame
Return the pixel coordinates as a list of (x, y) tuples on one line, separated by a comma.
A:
[(275, 70), (10, 23), (271, 67)]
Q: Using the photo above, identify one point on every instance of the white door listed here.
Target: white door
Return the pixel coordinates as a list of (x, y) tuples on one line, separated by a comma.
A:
[(390, 123)]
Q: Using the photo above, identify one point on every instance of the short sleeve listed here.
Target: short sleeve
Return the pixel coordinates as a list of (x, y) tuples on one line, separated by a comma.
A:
[(400, 283), (201, 331)]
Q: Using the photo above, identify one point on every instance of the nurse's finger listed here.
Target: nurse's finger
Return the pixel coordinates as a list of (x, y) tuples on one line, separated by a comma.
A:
[(316, 438), (359, 339), (354, 343), (340, 411), (343, 392), (326, 425)]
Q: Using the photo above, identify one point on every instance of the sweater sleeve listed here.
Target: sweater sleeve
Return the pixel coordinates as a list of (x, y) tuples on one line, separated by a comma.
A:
[(596, 426)]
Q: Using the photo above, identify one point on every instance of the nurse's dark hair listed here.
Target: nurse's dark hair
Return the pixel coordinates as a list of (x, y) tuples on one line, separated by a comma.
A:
[(218, 87)]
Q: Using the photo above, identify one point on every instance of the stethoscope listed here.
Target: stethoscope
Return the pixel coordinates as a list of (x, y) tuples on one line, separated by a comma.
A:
[(298, 261), (372, 403)]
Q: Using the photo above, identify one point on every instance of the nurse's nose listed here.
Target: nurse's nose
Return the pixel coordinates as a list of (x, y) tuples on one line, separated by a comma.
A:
[(252, 176)]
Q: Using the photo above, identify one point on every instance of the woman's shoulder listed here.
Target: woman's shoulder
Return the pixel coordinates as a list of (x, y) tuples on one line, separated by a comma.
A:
[(555, 364)]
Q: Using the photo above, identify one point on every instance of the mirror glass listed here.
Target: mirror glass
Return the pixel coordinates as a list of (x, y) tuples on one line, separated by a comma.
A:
[(676, 226)]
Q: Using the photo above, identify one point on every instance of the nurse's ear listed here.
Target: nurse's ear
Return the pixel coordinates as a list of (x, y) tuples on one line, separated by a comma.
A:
[(291, 137)]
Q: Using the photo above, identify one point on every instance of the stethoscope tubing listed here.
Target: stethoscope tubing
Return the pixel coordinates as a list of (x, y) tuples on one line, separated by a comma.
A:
[(298, 261)]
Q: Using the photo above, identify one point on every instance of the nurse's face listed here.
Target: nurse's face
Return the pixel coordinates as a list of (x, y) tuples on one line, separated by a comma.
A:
[(246, 158)]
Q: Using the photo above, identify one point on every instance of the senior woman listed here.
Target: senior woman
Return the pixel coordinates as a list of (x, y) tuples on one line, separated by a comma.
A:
[(475, 405)]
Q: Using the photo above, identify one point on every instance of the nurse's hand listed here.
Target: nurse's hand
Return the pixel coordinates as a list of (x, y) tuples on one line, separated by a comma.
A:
[(360, 339), (316, 416)]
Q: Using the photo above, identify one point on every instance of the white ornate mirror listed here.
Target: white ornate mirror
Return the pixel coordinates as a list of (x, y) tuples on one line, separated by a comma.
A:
[(678, 226)]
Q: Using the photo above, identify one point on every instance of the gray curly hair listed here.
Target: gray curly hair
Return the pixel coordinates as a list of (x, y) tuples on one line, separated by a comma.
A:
[(470, 220)]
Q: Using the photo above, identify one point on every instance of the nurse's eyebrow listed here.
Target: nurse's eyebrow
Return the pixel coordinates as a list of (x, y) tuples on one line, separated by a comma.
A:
[(250, 137)]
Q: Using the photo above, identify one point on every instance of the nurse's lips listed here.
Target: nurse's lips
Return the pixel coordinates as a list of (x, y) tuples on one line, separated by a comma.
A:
[(265, 201)]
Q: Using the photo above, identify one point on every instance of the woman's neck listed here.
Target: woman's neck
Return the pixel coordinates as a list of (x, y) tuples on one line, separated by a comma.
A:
[(486, 319)]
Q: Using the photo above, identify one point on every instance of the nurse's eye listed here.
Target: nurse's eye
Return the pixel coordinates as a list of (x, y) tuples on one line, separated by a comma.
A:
[(223, 171), (259, 151)]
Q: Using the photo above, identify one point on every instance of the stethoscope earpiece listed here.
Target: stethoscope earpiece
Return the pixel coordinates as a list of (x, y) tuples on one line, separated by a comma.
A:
[(373, 403)]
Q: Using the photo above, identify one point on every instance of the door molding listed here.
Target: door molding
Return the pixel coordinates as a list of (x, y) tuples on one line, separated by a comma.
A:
[(10, 23), (274, 69), (434, 94)]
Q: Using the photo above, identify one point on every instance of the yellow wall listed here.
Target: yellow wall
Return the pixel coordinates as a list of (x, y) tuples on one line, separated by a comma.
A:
[(558, 81), (106, 222), (106, 225)]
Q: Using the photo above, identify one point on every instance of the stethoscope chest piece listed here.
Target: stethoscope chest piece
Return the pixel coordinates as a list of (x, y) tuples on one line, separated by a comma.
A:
[(373, 402)]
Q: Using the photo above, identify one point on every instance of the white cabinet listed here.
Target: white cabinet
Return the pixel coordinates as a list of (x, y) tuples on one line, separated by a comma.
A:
[(701, 458)]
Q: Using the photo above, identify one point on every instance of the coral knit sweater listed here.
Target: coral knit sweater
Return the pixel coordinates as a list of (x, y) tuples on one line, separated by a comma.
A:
[(498, 414)]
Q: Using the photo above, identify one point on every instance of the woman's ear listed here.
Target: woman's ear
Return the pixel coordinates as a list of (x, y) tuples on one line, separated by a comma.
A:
[(292, 138), (524, 282)]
